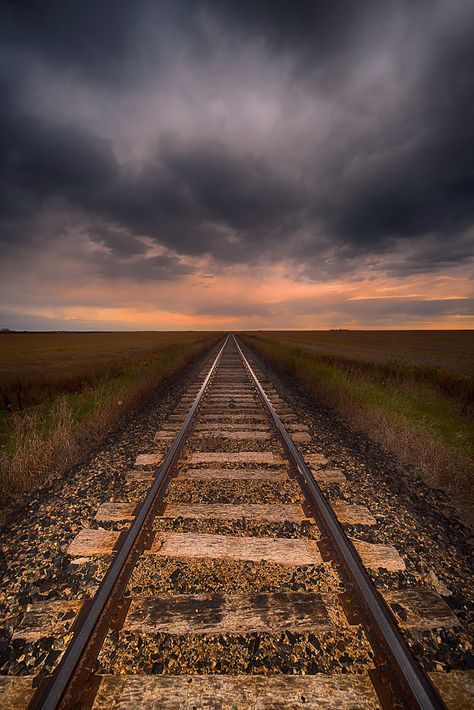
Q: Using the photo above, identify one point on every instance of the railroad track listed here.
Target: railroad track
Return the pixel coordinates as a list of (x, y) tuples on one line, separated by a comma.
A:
[(228, 579)]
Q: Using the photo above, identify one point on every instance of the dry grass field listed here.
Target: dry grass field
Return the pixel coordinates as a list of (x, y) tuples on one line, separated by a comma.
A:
[(61, 392), (413, 391), (36, 366), (447, 350)]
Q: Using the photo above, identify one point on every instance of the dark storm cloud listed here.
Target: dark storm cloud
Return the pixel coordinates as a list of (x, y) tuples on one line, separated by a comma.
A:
[(382, 171), (118, 241), (39, 161), (92, 37), (285, 25), (201, 196), (98, 38), (310, 30), (416, 173), (152, 268), (431, 254), (427, 185)]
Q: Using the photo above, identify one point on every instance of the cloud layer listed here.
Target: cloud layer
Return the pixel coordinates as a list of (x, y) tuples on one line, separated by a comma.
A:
[(200, 149)]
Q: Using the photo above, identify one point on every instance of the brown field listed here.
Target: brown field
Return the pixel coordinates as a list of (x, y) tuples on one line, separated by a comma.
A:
[(449, 350), (36, 366)]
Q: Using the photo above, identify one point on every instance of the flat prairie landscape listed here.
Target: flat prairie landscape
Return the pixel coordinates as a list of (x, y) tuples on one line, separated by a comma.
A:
[(34, 366), (413, 391), (447, 350), (60, 392)]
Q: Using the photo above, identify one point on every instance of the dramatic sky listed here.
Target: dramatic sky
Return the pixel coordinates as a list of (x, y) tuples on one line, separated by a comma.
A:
[(236, 164)]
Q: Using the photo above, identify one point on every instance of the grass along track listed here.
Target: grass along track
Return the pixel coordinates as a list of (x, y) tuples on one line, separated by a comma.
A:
[(422, 414), (72, 388)]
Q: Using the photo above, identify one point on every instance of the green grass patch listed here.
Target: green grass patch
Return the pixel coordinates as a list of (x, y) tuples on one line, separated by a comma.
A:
[(433, 413)]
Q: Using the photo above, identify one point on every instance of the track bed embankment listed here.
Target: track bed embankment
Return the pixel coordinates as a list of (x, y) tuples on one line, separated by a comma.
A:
[(236, 594)]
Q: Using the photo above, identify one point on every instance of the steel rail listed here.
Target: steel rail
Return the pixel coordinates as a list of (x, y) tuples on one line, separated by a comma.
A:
[(412, 681), (66, 686)]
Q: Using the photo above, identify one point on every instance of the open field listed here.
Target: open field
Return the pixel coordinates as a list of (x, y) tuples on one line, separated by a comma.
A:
[(448, 350), (412, 391), (36, 366), (61, 392)]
